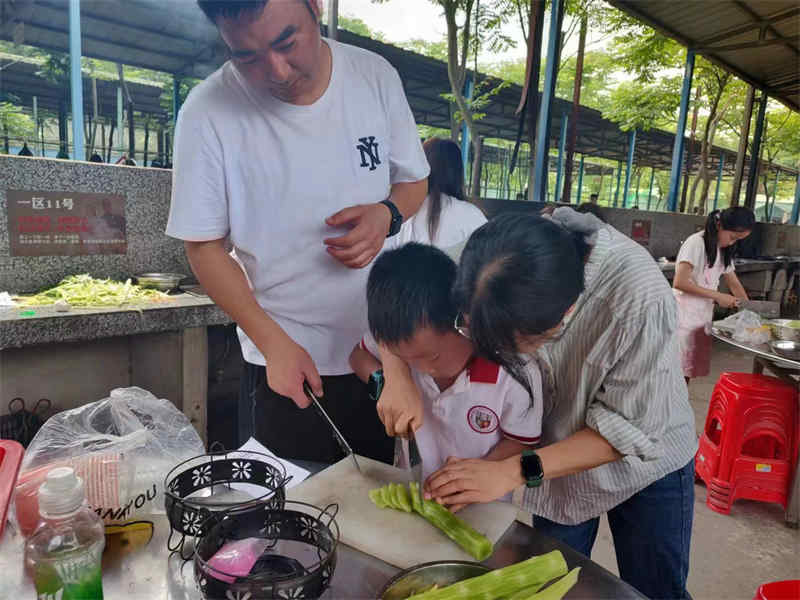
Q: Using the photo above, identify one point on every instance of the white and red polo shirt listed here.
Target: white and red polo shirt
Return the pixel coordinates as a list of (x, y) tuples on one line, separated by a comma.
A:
[(468, 419)]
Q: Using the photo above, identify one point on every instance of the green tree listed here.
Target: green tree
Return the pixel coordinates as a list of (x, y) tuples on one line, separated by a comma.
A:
[(359, 27)]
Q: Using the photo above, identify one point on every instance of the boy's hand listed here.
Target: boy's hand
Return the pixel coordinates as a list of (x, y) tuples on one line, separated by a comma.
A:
[(400, 404)]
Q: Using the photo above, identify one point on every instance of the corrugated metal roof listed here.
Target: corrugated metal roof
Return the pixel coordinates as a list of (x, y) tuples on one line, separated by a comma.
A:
[(758, 40)]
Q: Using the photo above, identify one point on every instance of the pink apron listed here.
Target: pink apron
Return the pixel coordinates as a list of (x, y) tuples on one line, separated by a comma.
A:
[(695, 315)]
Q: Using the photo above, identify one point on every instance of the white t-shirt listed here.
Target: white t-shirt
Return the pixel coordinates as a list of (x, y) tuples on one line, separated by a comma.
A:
[(267, 174), (457, 221), (468, 419), (693, 251)]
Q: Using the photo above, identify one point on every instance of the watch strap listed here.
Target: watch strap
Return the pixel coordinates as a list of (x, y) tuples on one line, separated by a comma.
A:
[(397, 218)]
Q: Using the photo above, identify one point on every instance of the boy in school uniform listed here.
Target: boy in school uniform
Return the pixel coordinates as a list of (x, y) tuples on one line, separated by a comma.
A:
[(473, 407)]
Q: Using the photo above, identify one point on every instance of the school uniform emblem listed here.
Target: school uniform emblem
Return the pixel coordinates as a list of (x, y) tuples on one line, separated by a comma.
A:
[(482, 419)]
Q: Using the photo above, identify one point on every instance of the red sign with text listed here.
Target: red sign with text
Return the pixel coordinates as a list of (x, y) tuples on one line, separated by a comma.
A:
[(65, 223)]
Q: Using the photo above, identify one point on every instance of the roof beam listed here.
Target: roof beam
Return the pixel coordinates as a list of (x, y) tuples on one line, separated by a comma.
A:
[(753, 15), (746, 45), (756, 24)]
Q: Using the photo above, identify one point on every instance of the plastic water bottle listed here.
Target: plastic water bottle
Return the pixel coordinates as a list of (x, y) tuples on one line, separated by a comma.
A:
[(64, 552)]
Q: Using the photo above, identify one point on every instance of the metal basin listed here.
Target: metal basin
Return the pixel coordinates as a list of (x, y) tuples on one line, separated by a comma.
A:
[(421, 577), (787, 349), (160, 281), (782, 330)]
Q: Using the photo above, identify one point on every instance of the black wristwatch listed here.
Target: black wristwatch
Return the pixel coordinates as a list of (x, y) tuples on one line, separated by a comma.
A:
[(397, 218), (532, 470), (375, 384)]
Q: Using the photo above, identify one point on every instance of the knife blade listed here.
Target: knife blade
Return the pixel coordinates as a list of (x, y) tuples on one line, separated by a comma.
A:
[(337, 435), (414, 459)]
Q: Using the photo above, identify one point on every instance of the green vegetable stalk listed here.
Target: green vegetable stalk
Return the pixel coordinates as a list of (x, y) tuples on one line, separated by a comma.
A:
[(501, 583), (555, 591)]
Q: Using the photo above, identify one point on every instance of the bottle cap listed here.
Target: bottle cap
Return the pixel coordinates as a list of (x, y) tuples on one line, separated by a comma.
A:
[(61, 493)]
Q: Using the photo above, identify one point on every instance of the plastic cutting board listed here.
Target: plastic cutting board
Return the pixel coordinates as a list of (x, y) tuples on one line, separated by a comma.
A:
[(398, 538)]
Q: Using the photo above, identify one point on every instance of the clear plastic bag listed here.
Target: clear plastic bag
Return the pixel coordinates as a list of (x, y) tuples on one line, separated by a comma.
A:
[(122, 446), (747, 327)]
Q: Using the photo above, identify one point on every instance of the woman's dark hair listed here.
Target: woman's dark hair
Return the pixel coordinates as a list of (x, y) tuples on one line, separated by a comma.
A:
[(519, 275), (735, 218), (233, 9), (447, 177), (410, 288), (589, 207)]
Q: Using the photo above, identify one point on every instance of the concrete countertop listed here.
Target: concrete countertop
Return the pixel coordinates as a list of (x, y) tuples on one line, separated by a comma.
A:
[(744, 265), (46, 325)]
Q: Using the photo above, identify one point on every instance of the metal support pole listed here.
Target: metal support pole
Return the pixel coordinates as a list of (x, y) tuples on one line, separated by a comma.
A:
[(796, 207), (75, 79), (629, 166), (719, 179), (677, 149), (616, 190), (580, 182), (469, 86), (752, 175), (562, 143), (119, 117), (176, 93), (540, 173), (333, 19), (650, 191), (774, 193), (35, 118)]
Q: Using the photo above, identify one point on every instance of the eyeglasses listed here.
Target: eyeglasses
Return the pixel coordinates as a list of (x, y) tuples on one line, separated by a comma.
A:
[(460, 327)]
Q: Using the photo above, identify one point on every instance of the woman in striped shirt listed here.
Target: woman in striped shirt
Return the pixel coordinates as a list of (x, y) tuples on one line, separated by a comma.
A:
[(595, 312)]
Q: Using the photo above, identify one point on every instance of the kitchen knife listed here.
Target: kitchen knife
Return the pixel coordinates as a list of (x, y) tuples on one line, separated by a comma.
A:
[(337, 435), (414, 459)]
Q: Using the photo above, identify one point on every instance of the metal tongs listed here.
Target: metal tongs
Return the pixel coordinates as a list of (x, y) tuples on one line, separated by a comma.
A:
[(337, 435)]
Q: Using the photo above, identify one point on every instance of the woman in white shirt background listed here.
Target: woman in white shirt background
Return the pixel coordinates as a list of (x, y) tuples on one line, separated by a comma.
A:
[(445, 218), (703, 258)]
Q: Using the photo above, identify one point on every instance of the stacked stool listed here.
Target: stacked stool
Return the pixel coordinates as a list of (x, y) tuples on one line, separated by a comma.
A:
[(749, 444)]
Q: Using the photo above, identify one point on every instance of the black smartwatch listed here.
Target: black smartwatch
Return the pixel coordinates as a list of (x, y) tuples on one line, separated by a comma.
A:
[(375, 384), (397, 218), (532, 470)]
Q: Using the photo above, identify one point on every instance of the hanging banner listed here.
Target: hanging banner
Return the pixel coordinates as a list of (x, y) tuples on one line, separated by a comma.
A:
[(65, 223)]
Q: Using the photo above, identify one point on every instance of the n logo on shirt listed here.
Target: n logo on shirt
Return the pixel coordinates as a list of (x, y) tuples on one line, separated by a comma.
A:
[(369, 152)]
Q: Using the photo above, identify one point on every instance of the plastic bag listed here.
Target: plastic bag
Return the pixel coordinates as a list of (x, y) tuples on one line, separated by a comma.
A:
[(747, 327), (122, 447)]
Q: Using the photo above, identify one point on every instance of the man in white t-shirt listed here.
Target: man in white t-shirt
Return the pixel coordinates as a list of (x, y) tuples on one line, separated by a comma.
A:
[(472, 407), (304, 154)]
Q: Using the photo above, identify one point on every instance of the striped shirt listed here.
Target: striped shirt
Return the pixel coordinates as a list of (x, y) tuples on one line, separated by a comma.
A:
[(616, 369)]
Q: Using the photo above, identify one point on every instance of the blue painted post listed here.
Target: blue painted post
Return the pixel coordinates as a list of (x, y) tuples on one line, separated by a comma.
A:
[(580, 182), (796, 207), (469, 87), (611, 187), (562, 142), (650, 191), (540, 173), (75, 79), (631, 148), (677, 149), (752, 175), (619, 178), (774, 193), (719, 178)]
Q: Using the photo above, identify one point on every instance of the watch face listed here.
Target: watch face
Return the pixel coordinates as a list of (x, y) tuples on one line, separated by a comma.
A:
[(532, 468)]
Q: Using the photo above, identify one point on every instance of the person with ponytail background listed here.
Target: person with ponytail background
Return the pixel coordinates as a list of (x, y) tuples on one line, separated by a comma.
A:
[(703, 258), (445, 218)]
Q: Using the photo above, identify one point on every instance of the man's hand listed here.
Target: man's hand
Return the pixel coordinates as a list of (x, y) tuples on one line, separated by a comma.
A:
[(369, 225), (400, 404), (466, 481), (288, 366)]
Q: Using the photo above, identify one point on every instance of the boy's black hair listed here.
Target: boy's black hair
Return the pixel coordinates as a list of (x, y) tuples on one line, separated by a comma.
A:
[(410, 288), (233, 9)]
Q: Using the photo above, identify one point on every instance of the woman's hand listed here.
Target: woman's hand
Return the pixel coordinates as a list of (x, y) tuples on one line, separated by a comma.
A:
[(726, 300), (464, 481)]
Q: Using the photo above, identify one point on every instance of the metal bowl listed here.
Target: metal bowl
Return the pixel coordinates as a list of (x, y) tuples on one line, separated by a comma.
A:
[(787, 349), (419, 578), (161, 281), (782, 330)]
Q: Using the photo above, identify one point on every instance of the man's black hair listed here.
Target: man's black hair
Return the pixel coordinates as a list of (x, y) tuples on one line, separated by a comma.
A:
[(410, 288), (234, 9)]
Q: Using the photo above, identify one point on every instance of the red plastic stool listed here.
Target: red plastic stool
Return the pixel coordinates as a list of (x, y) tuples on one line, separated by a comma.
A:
[(749, 444), (779, 590)]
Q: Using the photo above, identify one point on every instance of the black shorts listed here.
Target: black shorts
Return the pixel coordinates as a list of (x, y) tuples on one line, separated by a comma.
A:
[(302, 434)]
